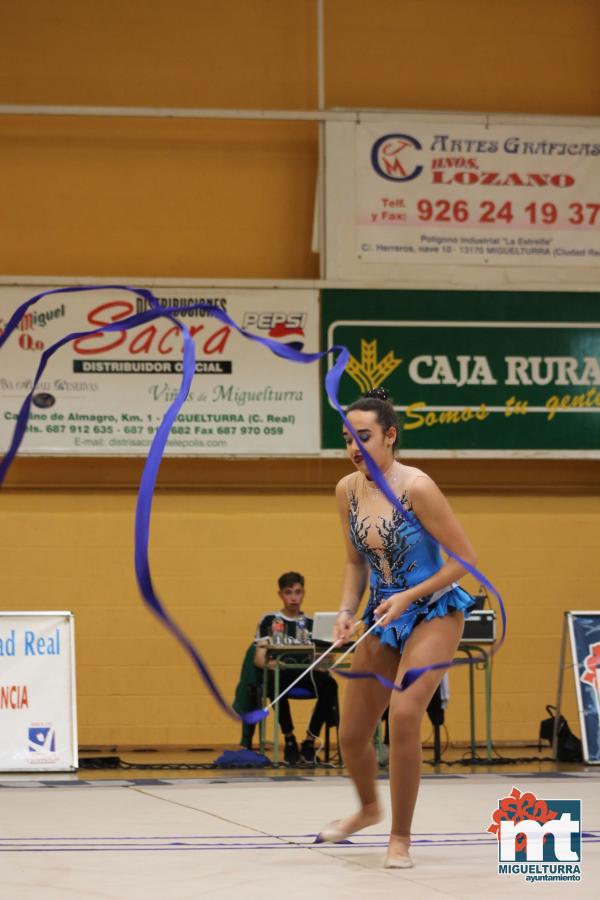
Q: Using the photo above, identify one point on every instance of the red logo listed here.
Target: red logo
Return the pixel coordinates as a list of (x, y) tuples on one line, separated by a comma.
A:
[(590, 675), (519, 807)]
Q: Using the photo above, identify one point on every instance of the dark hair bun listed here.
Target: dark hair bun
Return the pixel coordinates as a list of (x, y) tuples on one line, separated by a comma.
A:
[(377, 394)]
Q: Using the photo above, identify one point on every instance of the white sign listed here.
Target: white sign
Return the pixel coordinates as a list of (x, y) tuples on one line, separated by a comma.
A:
[(584, 631), (406, 190), (38, 723), (107, 394)]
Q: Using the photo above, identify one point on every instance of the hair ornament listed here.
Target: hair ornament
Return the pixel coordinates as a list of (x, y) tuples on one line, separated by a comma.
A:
[(378, 393)]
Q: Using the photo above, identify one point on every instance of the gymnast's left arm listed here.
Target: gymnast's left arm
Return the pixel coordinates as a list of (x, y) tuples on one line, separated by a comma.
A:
[(436, 515)]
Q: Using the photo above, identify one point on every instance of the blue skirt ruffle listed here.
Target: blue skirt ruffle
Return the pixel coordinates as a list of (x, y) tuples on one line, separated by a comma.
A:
[(396, 633)]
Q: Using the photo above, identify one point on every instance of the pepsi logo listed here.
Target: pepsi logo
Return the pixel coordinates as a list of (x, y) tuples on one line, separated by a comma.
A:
[(286, 328)]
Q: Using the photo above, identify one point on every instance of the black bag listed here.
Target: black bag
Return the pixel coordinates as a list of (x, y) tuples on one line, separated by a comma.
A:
[(568, 745)]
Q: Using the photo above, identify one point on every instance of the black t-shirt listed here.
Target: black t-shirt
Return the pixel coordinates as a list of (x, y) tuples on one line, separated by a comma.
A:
[(265, 626)]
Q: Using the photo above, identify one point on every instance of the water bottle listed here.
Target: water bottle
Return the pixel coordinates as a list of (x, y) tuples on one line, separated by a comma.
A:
[(301, 629), (277, 630)]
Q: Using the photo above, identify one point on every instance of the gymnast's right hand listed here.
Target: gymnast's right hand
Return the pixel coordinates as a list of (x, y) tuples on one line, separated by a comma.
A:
[(344, 627)]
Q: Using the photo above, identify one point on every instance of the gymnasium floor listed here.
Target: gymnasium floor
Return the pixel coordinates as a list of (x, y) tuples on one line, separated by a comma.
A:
[(252, 836)]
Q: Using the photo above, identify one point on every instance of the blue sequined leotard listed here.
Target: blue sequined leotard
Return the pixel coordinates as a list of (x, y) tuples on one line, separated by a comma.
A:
[(400, 555)]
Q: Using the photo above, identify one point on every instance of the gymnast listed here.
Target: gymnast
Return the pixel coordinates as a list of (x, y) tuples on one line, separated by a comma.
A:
[(417, 592)]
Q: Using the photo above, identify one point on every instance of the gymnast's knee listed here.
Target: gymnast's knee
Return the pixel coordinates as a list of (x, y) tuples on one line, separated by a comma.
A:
[(353, 738), (405, 719)]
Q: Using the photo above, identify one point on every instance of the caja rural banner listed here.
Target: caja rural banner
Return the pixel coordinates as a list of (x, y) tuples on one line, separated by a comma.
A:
[(107, 394), (38, 724), (444, 191), (473, 373)]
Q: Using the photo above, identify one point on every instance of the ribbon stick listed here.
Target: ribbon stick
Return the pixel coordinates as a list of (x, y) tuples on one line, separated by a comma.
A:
[(353, 647), (340, 355), (326, 653), (323, 655), (304, 672)]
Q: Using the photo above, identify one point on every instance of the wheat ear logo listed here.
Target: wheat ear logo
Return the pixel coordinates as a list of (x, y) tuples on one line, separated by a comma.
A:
[(370, 372)]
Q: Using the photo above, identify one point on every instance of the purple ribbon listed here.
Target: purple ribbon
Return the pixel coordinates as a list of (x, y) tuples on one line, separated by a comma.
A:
[(155, 454)]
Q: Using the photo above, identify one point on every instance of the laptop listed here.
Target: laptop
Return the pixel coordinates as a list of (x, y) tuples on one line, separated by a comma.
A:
[(323, 625)]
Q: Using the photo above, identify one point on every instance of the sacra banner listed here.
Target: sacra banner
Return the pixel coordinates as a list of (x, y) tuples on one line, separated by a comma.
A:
[(106, 394)]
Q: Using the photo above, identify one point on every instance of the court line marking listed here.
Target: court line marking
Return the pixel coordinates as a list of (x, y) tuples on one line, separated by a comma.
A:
[(315, 848), (243, 842), (233, 848)]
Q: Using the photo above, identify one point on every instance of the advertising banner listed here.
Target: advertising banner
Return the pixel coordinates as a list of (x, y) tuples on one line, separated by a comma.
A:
[(423, 190), (38, 723), (107, 394), (473, 373), (584, 632)]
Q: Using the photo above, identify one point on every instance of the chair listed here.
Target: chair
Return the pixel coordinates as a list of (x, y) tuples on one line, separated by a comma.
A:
[(248, 693), (296, 693)]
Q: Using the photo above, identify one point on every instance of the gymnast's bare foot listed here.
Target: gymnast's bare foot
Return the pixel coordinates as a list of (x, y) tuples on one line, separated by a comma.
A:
[(398, 856), (369, 814)]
